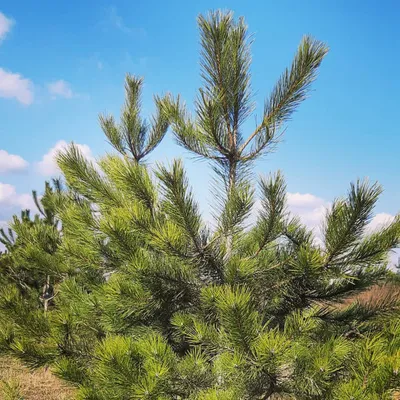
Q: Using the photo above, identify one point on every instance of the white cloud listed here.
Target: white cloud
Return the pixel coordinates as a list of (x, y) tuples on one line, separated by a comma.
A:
[(3, 225), (13, 85), (5, 26), (379, 221), (304, 200), (9, 198), (48, 166), (311, 209), (11, 202), (11, 162), (60, 88)]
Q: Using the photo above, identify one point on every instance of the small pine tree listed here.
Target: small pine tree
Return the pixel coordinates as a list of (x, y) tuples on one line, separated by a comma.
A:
[(30, 268), (151, 303)]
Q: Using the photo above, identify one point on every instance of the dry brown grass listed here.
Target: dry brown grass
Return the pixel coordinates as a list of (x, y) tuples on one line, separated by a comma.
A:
[(377, 294), (37, 385)]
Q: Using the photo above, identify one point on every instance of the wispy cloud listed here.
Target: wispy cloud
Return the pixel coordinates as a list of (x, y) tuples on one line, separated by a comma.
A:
[(118, 21), (5, 26), (91, 63), (11, 162), (14, 85), (129, 63), (115, 20), (60, 88)]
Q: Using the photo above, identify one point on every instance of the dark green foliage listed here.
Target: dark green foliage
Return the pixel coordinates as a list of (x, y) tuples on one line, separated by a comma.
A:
[(149, 302)]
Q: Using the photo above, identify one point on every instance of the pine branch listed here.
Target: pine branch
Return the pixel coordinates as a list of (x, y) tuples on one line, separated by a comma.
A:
[(347, 219), (132, 179), (82, 176), (179, 202), (134, 136), (292, 87), (185, 130), (225, 62), (269, 224)]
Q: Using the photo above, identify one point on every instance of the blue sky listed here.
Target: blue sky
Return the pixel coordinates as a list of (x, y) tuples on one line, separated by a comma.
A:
[(61, 63)]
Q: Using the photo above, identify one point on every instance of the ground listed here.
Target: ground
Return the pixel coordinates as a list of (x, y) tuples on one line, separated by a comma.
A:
[(37, 385)]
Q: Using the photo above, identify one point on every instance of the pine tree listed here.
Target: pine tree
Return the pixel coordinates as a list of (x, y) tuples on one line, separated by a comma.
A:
[(152, 303), (29, 268)]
